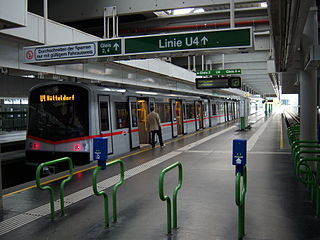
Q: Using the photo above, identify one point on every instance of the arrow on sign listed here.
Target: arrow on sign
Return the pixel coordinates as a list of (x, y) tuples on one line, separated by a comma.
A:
[(116, 46), (238, 161), (204, 40)]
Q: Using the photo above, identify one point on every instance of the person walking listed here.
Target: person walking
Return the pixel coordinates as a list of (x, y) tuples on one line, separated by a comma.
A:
[(153, 125)]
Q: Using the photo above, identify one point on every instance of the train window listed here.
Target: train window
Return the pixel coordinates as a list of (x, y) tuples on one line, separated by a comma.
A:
[(163, 109), (205, 111), (190, 111), (134, 114), (214, 109), (122, 115), (58, 112), (104, 116)]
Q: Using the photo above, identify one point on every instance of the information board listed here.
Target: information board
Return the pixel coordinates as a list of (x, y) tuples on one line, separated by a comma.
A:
[(218, 82)]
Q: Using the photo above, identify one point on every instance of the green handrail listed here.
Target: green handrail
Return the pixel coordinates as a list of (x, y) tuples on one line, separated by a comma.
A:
[(297, 148), (166, 198), (292, 135), (297, 142), (310, 179), (114, 191), (38, 183), (240, 200), (298, 154)]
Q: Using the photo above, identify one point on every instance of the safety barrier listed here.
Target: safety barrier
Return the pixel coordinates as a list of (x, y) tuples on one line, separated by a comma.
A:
[(301, 151), (306, 176), (240, 200), (166, 198), (114, 191), (61, 194)]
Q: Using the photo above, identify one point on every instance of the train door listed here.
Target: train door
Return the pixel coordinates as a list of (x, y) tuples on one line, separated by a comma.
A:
[(105, 123), (199, 115), (134, 129), (210, 112), (174, 118), (226, 116), (205, 114), (183, 117), (142, 121), (179, 116)]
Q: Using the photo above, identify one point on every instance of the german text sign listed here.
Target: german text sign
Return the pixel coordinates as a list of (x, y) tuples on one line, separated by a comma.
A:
[(201, 40)]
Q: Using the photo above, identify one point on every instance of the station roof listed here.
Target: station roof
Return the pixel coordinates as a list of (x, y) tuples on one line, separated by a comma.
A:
[(260, 67)]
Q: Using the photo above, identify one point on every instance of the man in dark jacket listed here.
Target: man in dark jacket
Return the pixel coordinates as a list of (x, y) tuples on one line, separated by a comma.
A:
[(154, 126)]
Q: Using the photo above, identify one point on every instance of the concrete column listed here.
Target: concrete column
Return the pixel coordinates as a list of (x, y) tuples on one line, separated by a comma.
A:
[(308, 80), (308, 105), (1, 194)]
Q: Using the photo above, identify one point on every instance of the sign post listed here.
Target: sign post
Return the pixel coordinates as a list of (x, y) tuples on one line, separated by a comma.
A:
[(239, 159), (100, 151)]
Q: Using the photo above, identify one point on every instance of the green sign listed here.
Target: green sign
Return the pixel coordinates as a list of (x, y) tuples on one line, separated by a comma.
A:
[(218, 82), (202, 40), (109, 47), (219, 72)]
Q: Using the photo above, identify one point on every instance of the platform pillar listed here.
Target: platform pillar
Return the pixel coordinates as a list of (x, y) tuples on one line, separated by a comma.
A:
[(1, 195), (308, 80)]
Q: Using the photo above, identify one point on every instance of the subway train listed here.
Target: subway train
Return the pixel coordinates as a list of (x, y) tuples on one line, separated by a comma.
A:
[(64, 118)]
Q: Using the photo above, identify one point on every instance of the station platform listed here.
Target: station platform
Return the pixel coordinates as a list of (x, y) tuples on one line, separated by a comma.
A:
[(277, 206), (12, 146)]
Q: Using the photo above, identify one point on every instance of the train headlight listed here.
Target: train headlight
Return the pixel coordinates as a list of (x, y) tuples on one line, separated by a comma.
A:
[(77, 147), (35, 146)]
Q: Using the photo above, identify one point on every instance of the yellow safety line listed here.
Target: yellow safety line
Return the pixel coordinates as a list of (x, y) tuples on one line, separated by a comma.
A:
[(281, 136), (89, 168)]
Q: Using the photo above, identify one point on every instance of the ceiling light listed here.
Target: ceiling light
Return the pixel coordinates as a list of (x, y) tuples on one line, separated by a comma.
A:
[(147, 93), (198, 10), (182, 11), (264, 4)]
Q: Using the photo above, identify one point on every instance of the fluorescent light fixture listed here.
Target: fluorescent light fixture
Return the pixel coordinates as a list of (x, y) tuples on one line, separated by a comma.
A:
[(161, 14), (120, 90), (264, 4), (182, 11), (28, 76), (147, 93), (198, 10)]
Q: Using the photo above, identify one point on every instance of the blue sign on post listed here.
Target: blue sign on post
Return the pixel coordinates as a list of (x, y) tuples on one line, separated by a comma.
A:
[(100, 151), (239, 155)]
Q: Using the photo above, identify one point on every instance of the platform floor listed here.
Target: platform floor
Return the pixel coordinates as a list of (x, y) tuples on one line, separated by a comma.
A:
[(277, 207), (7, 137)]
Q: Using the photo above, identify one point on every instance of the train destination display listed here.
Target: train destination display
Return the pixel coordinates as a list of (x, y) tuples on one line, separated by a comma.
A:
[(218, 82)]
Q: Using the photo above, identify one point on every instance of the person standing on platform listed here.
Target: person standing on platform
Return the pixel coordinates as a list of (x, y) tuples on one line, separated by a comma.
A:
[(153, 125)]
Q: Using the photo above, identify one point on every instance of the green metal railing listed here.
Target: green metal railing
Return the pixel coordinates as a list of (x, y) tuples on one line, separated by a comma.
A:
[(61, 194), (167, 199), (240, 200), (303, 169), (114, 191), (306, 176), (301, 148)]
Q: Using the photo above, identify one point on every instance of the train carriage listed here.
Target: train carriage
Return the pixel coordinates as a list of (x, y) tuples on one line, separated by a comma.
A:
[(64, 118)]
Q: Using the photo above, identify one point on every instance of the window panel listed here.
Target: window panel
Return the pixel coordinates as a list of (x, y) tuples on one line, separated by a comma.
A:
[(122, 115)]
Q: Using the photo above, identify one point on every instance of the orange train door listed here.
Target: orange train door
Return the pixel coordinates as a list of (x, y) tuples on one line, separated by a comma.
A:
[(179, 117)]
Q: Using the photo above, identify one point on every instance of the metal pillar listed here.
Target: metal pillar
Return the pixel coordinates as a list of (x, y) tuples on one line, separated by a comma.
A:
[(308, 105), (1, 204), (308, 80)]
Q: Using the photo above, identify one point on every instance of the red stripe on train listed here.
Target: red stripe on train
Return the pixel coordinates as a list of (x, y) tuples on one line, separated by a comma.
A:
[(80, 138)]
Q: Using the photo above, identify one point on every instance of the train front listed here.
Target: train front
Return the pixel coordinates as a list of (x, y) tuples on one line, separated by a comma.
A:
[(58, 123)]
